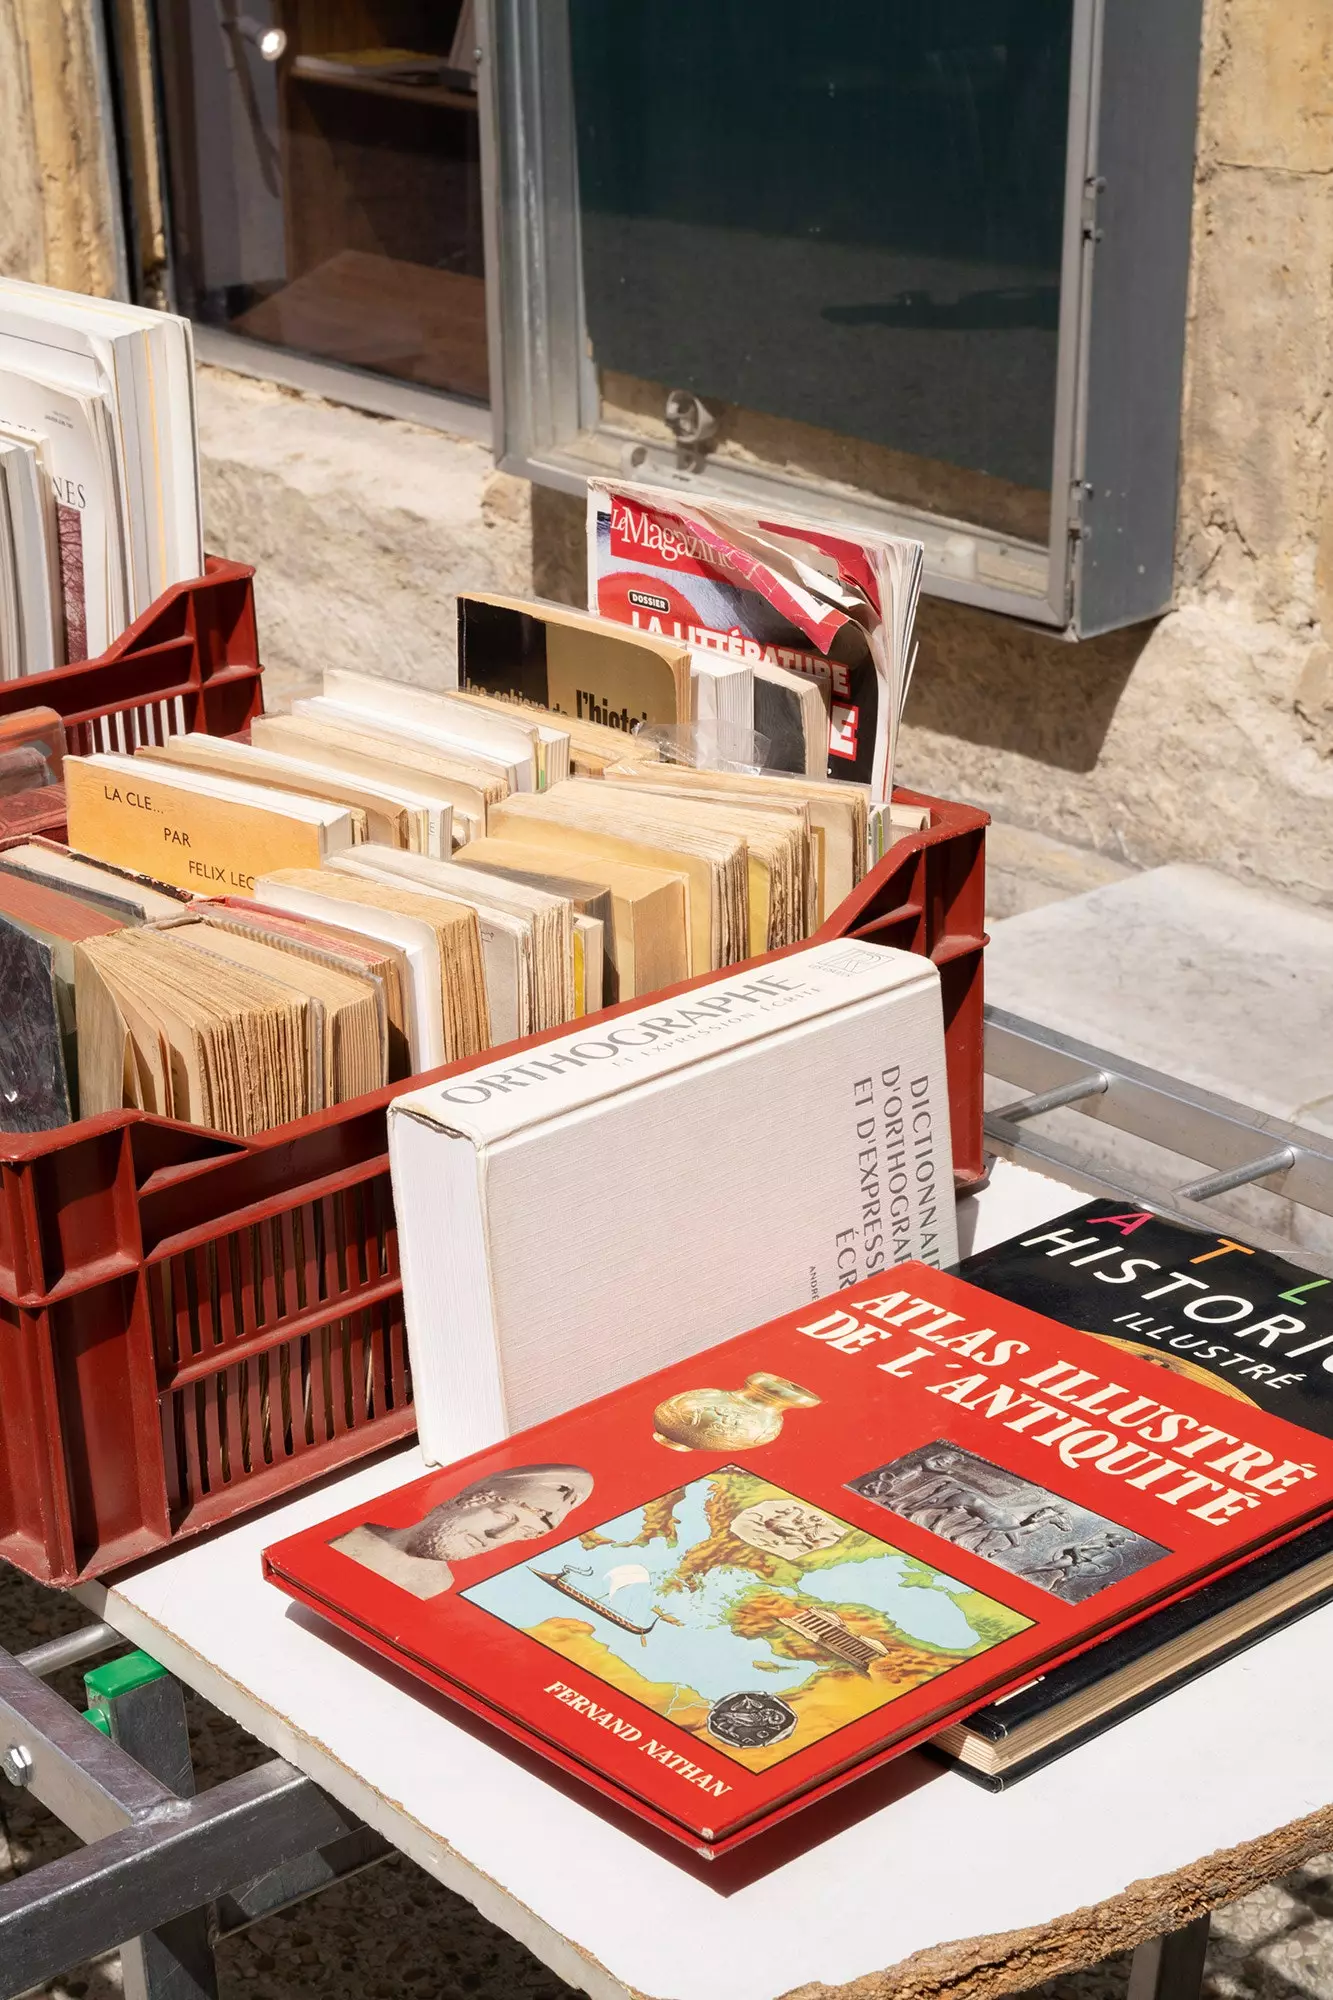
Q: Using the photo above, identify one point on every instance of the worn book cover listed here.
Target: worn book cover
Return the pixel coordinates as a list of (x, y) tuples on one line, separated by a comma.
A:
[(721, 1592), (783, 593), (152, 820), (570, 662)]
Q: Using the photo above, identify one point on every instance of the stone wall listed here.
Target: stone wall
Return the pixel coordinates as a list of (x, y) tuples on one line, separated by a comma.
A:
[(1207, 736), (361, 530), (55, 189)]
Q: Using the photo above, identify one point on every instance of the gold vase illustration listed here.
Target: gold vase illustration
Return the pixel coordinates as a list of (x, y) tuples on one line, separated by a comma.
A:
[(729, 1419)]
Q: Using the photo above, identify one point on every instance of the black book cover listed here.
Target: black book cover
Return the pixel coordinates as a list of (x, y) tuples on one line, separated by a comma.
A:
[(1001, 1781), (36, 1042), (778, 715), (1000, 1719), (1214, 1309), (1207, 1307), (502, 651)]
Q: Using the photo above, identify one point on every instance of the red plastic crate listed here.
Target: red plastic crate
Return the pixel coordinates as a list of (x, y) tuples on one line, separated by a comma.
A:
[(196, 1324), (928, 895), (191, 662)]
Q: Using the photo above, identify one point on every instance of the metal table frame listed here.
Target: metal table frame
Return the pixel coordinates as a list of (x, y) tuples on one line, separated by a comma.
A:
[(164, 1874)]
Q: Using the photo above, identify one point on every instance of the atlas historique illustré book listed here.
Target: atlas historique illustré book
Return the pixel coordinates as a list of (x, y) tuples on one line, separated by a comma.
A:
[(1258, 1330), (731, 1587)]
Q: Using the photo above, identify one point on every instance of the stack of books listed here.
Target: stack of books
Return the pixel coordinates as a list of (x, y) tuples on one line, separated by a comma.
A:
[(728, 1587), (582, 867), (99, 471), (1249, 1328)]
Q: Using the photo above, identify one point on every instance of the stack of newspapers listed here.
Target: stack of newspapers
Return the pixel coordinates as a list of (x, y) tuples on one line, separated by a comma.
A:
[(99, 471)]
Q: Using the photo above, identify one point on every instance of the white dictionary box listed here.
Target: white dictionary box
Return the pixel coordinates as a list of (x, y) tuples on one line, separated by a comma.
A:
[(625, 1196)]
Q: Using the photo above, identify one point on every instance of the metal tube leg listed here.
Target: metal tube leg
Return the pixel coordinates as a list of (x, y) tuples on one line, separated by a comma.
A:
[(1171, 1967), (141, 1707)]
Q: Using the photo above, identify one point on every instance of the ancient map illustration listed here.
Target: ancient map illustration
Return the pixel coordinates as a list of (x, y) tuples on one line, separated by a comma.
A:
[(1025, 1529), (746, 1615)]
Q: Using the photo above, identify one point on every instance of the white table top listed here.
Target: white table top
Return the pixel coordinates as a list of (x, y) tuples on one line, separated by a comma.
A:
[(914, 1860)]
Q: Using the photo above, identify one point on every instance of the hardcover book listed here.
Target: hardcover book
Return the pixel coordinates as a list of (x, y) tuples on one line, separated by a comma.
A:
[(1249, 1324), (1217, 1311), (1011, 1738), (731, 1587)]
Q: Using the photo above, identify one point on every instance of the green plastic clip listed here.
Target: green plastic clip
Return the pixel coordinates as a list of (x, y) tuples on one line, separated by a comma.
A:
[(117, 1677)]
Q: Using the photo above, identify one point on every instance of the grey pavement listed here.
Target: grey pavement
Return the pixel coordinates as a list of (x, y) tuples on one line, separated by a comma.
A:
[(1193, 974)]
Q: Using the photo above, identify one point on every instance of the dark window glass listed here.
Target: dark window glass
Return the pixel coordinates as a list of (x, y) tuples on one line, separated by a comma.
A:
[(841, 226), (325, 184)]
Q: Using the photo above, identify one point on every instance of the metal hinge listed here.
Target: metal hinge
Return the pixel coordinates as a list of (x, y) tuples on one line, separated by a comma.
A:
[(1092, 188)]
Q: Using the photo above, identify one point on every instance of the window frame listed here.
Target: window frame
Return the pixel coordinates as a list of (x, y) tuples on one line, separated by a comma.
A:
[(1130, 144)]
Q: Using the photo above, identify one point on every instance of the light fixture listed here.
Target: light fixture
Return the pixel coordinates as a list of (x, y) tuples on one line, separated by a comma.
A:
[(271, 42)]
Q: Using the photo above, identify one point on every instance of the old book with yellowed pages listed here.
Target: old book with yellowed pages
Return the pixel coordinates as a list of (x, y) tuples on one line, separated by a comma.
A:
[(196, 829), (384, 965), (574, 662), (581, 820), (445, 948), (839, 813), (539, 924), (592, 745), (645, 938), (353, 1057), (226, 1047), (359, 750), (447, 723), (95, 882), (392, 814)]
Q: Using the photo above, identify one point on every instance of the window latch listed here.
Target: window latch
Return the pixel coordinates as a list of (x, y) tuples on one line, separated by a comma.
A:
[(692, 425)]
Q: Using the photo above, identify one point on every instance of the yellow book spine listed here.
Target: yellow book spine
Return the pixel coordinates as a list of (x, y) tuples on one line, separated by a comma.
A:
[(580, 976), (214, 847)]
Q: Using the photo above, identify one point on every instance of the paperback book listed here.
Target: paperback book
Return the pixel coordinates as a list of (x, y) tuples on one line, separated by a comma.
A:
[(732, 1586)]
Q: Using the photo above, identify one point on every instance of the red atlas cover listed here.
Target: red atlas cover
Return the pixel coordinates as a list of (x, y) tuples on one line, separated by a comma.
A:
[(723, 1591)]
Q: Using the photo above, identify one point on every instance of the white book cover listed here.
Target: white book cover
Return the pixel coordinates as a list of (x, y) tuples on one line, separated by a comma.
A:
[(39, 626), (76, 438), (506, 940), (722, 698), (622, 1197), (143, 361), (435, 718)]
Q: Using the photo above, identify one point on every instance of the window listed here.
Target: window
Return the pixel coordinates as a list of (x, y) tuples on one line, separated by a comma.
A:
[(918, 262), (325, 179)]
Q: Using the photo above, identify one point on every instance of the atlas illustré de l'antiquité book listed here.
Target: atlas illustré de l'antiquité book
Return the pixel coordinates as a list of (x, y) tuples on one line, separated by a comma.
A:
[(725, 1590)]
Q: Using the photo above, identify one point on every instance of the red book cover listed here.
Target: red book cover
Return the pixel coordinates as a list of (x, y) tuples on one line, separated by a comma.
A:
[(721, 1592)]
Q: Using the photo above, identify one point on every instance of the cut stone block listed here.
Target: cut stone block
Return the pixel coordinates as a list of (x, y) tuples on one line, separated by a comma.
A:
[(1189, 973)]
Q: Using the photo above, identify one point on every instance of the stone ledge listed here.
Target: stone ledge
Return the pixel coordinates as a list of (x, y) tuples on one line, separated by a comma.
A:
[(361, 530)]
